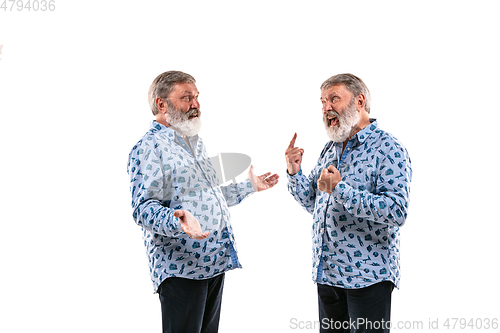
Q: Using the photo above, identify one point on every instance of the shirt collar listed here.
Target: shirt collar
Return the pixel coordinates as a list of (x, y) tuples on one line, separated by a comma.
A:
[(367, 131), (173, 134), (156, 126)]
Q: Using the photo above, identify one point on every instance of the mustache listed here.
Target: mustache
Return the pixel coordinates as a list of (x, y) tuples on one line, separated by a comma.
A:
[(332, 114), (193, 112)]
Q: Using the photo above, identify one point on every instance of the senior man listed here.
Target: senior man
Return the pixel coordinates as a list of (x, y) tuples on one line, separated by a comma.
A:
[(358, 194), (183, 212)]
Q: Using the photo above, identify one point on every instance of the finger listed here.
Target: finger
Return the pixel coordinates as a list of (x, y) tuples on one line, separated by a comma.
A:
[(295, 152), (320, 184), (273, 180), (273, 177), (179, 213), (292, 143), (205, 235), (265, 175), (332, 169), (324, 173), (251, 168)]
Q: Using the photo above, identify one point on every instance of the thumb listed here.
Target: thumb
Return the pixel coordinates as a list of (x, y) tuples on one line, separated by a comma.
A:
[(324, 172), (250, 172), (179, 213)]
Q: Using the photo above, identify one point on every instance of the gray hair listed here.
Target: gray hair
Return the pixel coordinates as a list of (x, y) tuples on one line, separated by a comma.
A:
[(352, 83), (163, 85)]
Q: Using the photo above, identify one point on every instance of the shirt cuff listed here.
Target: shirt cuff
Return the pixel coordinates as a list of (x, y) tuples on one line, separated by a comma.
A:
[(173, 226), (246, 187), (293, 179), (342, 192)]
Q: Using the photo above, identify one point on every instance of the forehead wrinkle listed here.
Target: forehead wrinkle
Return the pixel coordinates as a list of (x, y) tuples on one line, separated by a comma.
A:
[(333, 94), (188, 92)]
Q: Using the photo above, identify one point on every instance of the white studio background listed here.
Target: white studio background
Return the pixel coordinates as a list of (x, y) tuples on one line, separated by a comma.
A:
[(73, 87)]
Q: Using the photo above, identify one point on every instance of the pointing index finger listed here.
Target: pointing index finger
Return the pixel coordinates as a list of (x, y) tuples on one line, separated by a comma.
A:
[(292, 143)]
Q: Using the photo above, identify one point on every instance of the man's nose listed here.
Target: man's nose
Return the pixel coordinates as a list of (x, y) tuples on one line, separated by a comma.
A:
[(327, 107), (195, 104)]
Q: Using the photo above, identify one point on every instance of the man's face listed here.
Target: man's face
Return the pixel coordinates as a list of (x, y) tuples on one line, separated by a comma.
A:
[(340, 114), (183, 112)]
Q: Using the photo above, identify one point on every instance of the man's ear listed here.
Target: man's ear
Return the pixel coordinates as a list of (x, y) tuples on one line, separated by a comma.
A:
[(161, 104), (360, 102)]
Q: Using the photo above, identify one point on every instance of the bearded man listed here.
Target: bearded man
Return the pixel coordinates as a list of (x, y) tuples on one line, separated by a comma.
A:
[(358, 194), (182, 210)]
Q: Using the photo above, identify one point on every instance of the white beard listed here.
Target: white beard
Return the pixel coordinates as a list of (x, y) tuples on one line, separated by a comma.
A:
[(180, 121), (347, 120), (188, 127)]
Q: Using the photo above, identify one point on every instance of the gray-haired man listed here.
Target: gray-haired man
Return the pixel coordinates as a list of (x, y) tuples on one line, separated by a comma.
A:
[(358, 194), (182, 210)]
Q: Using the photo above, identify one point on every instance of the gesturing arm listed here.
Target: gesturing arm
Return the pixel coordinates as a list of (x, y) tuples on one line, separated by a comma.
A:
[(293, 157), (235, 193), (303, 189), (147, 187)]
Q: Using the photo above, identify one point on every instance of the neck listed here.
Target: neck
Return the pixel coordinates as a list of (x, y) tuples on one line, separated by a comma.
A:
[(160, 118), (362, 123)]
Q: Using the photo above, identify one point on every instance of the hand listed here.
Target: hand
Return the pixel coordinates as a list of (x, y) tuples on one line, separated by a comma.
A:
[(190, 224), (328, 179), (262, 183), (293, 157)]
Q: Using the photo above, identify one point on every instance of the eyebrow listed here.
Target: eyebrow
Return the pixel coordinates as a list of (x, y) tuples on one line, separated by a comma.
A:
[(330, 96)]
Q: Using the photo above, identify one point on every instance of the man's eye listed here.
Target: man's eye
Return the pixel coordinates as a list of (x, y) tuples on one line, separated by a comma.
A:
[(186, 98)]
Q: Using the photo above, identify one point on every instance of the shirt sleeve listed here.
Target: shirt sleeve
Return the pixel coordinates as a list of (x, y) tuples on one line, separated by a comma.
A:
[(150, 210), (303, 189), (235, 193), (388, 202)]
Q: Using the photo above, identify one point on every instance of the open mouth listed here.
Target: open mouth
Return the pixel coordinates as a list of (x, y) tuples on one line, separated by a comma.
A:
[(193, 113), (333, 121)]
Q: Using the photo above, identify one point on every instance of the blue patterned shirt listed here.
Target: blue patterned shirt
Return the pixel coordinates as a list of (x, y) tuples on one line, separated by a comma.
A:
[(166, 176), (355, 229)]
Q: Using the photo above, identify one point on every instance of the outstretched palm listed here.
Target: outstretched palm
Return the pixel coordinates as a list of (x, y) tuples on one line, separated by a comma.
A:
[(262, 183), (190, 224)]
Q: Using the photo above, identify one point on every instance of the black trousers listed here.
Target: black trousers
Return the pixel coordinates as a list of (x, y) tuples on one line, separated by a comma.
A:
[(191, 306), (355, 310)]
